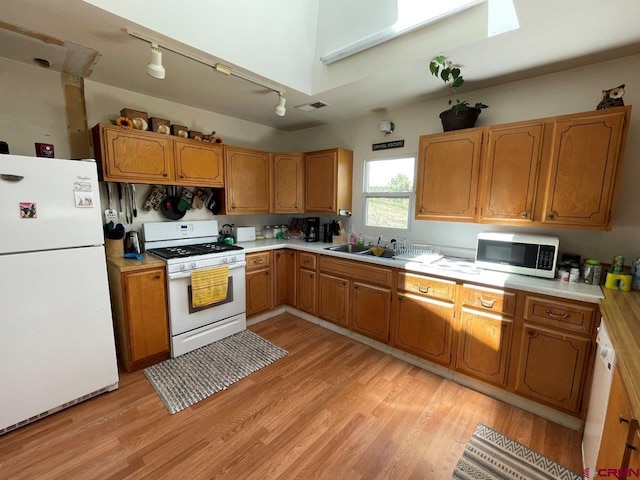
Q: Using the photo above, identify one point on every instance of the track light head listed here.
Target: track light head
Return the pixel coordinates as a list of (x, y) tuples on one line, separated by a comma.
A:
[(279, 108), (154, 67)]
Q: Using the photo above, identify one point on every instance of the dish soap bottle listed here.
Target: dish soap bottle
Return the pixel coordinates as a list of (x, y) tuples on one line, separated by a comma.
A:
[(361, 240), (352, 237)]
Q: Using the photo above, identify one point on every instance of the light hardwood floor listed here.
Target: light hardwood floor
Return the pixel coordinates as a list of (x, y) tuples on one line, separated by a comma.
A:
[(333, 408)]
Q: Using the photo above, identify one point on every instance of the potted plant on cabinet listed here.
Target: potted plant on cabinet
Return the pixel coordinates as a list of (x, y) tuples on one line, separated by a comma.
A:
[(461, 114)]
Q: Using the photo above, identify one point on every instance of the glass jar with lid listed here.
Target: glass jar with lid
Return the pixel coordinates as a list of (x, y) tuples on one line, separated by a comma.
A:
[(267, 231)]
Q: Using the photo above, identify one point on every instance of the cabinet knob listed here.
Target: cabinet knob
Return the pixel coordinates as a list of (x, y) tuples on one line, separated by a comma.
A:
[(531, 333), (551, 216), (181, 175), (421, 210), (524, 214), (295, 206), (164, 174)]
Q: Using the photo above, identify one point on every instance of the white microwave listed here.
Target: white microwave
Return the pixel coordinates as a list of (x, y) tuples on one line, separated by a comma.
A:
[(535, 255)]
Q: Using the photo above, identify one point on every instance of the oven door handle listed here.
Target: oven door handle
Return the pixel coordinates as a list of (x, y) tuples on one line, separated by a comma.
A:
[(174, 276)]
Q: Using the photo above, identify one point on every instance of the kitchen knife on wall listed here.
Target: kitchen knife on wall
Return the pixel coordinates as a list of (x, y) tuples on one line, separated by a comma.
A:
[(120, 199)]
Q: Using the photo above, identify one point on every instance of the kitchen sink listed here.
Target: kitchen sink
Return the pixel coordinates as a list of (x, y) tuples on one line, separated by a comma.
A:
[(349, 249), (386, 253)]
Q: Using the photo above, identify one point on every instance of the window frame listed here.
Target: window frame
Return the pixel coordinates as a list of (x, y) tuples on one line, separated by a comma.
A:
[(410, 195)]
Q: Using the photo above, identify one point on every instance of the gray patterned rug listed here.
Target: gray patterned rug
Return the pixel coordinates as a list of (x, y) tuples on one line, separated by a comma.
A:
[(491, 455), (189, 378)]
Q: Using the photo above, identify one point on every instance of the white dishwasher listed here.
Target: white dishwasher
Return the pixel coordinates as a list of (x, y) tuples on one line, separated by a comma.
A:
[(599, 399)]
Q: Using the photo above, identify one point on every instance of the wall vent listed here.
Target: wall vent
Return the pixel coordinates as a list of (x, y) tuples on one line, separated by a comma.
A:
[(309, 107)]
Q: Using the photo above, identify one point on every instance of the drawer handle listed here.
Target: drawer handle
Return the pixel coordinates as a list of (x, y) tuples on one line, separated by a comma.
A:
[(487, 303), (423, 291), (631, 447), (556, 316), (621, 419)]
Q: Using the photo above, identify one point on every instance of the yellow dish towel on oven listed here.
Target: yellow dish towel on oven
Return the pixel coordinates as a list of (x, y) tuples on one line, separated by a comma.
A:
[(209, 285)]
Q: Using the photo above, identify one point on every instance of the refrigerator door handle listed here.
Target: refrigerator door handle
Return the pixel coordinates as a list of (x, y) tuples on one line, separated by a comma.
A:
[(11, 178)]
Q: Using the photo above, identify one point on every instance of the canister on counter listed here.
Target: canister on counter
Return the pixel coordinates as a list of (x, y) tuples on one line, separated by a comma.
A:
[(592, 272), (617, 265)]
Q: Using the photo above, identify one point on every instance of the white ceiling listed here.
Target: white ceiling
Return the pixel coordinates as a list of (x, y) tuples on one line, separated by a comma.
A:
[(86, 41)]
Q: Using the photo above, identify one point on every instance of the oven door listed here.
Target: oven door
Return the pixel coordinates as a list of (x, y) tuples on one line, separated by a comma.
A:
[(183, 317)]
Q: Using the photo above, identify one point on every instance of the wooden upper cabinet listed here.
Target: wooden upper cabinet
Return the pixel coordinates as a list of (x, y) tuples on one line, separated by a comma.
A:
[(288, 182), (448, 169), (146, 157), (247, 181), (510, 173), (584, 163), (328, 179), (133, 155), (198, 164)]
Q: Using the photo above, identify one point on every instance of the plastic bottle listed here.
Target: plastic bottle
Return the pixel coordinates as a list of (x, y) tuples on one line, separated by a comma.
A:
[(352, 237), (361, 240)]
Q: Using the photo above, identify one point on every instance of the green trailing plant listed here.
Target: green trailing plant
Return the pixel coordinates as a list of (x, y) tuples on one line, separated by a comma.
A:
[(444, 69)]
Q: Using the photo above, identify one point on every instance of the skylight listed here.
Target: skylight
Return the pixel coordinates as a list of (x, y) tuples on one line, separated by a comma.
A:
[(414, 14)]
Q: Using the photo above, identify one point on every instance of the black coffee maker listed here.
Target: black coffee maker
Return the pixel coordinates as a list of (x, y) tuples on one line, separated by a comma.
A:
[(312, 229)]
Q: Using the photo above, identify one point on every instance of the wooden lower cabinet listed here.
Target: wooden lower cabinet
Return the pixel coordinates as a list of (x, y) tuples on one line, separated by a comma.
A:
[(258, 283), (371, 311), (552, 365), (618, 427), (139, 306), (307, 283), (423, 327), (284, 272), (484, 346), (333, 301)]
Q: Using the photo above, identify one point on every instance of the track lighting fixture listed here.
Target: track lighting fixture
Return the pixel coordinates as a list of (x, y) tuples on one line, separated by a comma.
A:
[(154, 67), (156, 70), (279, 108)]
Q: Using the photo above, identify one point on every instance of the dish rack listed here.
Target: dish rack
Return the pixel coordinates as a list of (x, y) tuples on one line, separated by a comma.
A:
[(418, 252)]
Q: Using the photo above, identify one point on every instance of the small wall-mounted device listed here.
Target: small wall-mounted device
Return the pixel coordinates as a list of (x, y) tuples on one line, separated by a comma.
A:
[(386, 127)]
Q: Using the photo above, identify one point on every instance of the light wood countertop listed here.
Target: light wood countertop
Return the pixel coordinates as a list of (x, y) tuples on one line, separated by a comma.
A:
[(125, 264), (621, 312)]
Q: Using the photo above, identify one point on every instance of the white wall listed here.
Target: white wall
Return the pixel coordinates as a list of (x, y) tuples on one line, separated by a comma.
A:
[(32, 109), (572, 91)]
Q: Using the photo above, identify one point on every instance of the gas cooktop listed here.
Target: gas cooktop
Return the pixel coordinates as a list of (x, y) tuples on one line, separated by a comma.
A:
[(193, 250)]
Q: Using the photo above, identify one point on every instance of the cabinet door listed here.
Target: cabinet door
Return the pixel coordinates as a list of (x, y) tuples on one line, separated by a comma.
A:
[(616, 426), (284, 277), (423, 327), (552, 366), (145, 301), (307, 301), (288, 183), (371, 311), (448, 171), (333, 302), (584, 159), (328, 181), (510, 176), (484, 346), (198, 163), (258, 291), (138, 157), (247, 181)]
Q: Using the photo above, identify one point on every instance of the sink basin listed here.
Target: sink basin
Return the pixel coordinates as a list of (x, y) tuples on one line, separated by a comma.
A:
[(384, 253), (348, 248)]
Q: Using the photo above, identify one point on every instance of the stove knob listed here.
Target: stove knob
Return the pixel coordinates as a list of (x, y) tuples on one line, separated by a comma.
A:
[(194, 265), (225, 260), (183, 267)]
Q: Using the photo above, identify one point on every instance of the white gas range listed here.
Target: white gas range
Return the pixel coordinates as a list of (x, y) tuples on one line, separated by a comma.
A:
[(189, 247)]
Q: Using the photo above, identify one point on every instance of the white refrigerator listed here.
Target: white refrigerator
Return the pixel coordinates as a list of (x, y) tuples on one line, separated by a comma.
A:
[(57, 345)]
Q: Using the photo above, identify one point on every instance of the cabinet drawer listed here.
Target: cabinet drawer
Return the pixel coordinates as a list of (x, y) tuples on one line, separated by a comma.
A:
[(428, 286), (562, 314), (308, 261), (256, 261), (357, 270), (489, 299)]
